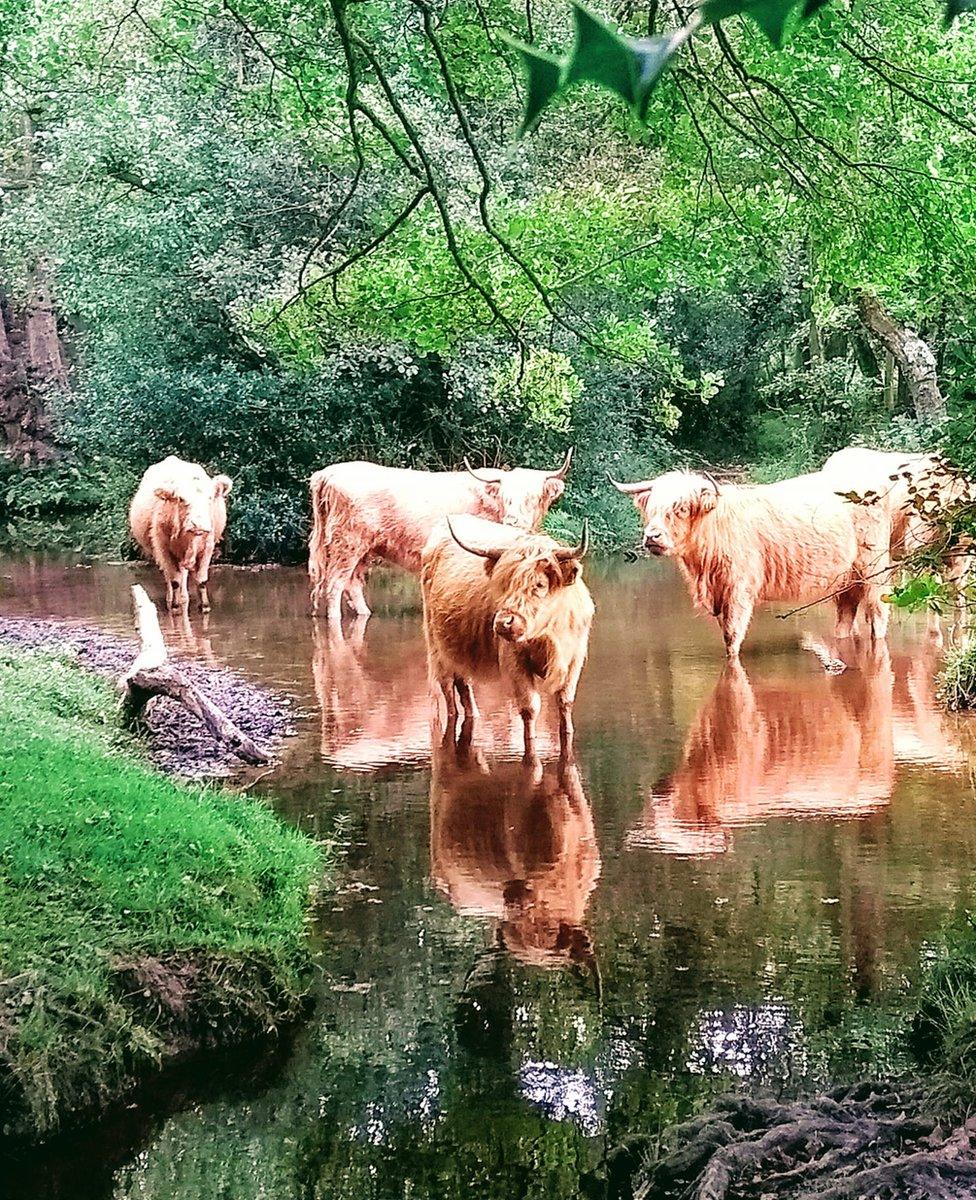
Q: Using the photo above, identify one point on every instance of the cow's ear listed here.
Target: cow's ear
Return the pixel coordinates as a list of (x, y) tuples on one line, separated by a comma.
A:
[(493, 487), (223, 485), (165, 493), (562, 573), (553, 489), (569, 571), (707, 499)]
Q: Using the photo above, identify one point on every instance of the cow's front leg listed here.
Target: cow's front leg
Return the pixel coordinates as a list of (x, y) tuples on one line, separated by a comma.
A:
[(181, 598), (529, 703), (356, 594), (734, 619), (566, 699), (201, 575)]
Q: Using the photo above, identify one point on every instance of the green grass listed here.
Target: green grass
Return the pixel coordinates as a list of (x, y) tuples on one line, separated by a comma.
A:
[(109, 869)]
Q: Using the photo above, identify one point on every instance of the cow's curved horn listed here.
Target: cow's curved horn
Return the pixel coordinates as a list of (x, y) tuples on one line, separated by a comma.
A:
[(474, 474), (564, 469), (494, 553), (577, 552), (713, 481), (629, 489)]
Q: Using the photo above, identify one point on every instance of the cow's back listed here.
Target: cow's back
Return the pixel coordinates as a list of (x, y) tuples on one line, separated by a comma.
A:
[(386, 512)]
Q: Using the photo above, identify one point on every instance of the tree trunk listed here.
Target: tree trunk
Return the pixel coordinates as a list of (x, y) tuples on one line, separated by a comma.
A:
[(915, 359), (890, 386), (33, 368), (152, 674)]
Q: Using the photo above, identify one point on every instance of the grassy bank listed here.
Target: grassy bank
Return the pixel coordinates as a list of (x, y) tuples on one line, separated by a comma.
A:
[(138, 917)]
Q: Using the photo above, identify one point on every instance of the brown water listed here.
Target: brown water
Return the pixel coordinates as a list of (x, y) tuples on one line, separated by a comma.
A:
[(523, 967)]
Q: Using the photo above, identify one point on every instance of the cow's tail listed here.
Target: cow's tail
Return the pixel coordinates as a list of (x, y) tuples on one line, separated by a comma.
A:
[(318, 542)]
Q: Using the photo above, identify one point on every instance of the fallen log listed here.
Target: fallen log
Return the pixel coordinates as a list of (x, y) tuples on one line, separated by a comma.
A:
[(152, 674)]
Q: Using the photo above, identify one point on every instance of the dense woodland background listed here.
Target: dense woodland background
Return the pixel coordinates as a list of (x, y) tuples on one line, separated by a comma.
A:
[(271, 234)]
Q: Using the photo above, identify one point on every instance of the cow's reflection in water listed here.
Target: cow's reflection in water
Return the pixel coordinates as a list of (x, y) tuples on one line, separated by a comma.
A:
[(808, 744), (190, 638), (378, 710), (514, 842)]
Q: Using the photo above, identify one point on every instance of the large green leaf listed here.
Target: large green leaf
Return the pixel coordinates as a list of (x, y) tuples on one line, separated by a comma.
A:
[(602, 56), (772, 16), (543, 75), (653, 56)]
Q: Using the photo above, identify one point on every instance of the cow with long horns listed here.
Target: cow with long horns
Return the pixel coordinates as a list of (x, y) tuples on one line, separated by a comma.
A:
[(738, 546), (363, 513), (500, 602)]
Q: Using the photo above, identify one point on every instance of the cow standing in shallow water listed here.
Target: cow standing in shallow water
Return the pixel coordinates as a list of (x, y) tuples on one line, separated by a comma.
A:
[(920, 494), (178, 516), (738, 546), (362, 512), (501, 602)]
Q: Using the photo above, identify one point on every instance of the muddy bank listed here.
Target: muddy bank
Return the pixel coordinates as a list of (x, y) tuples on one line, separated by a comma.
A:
[(877, 1140), (174, 740)]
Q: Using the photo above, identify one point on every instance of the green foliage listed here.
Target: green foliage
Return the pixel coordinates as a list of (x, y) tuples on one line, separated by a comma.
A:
[(920, 593), (630, 67), (104, 862), (239, 286), (543, 389), (957, 680)]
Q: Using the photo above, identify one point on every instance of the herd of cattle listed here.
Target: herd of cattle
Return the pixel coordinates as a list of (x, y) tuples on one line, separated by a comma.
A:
[(502, 599)]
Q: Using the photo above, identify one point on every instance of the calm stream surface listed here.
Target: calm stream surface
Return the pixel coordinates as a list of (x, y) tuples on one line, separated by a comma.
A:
[(524, 967)]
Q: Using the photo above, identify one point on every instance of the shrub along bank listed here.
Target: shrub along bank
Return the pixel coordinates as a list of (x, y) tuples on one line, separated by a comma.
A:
[(139, 918)]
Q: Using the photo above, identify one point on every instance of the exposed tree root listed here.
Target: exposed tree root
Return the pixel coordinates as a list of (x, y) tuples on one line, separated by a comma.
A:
[(870, 1142)]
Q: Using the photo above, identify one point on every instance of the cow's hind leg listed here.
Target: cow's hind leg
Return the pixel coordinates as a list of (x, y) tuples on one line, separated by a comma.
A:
[(847, 604), (875, 613), (465, 695)]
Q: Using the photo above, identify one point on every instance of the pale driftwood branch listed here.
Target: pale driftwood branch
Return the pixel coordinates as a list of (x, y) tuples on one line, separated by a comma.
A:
[(833, 666), (152, 674)]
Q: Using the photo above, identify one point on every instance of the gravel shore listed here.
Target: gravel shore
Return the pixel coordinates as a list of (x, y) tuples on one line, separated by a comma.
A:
[(175, 741)]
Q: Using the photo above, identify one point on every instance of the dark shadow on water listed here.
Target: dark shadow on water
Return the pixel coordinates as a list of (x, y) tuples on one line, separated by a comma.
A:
[(81, 1164)]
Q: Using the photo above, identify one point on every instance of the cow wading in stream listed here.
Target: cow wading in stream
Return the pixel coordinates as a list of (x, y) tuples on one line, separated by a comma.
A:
[(363, 513), (500, 602), (920, 495), (177, 517), (739, 545)]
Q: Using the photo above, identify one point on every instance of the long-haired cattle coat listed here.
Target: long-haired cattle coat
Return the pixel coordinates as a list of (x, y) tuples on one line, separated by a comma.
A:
[(363, 512), (917, 493), (505, 603), (177, 517), (738, 546)]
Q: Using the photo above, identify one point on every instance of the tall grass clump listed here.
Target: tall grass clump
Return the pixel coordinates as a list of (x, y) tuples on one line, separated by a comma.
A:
[(138, 916), (957, 679)]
